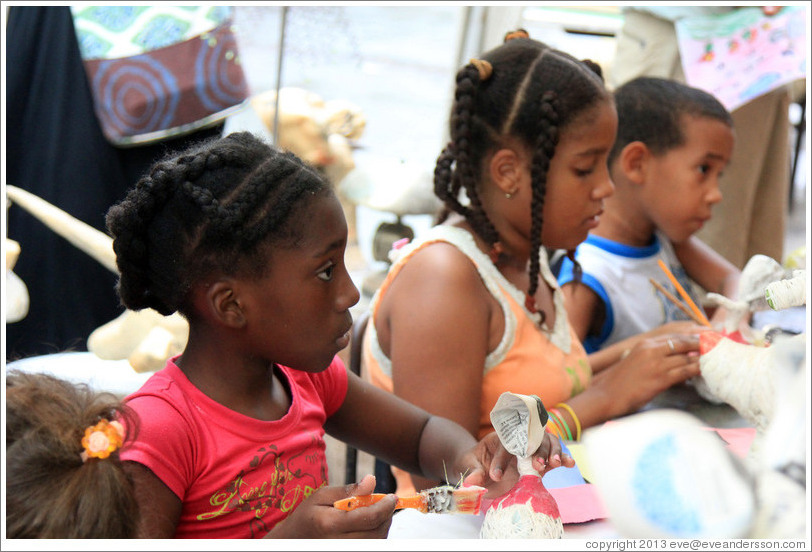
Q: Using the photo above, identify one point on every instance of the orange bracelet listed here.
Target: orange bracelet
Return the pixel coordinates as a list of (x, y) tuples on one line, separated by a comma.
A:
[(553, 428), (559, 421)]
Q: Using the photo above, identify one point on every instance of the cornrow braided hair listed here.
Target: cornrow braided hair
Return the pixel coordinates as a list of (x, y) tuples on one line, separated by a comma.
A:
[(532, 94), (210, 208)]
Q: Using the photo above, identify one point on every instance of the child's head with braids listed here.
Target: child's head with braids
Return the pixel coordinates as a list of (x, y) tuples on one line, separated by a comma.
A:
[(205, 229), (530, 130), (247, 242), (55, 489)]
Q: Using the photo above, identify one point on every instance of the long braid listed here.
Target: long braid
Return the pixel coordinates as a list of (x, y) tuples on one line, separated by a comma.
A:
[(444, 183), (465, 173), (543, 153)]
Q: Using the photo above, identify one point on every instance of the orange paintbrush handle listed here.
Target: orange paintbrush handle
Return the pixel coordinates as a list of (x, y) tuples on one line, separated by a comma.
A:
[(670, 296), (353, 502), (683, 293), (348, 504)]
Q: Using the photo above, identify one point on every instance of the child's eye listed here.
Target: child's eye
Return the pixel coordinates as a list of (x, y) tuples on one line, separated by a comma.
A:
[(326, 274), (704, 169), (584, 172)]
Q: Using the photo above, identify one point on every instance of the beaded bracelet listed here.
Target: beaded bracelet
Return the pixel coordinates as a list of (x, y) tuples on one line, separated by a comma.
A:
[(559, 421), (575, 419)]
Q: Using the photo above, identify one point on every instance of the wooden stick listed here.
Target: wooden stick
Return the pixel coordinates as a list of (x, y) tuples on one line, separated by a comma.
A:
[(683, 293), (676, 301)]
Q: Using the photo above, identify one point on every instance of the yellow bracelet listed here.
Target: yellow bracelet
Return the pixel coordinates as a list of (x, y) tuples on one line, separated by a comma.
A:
[(569, 409)]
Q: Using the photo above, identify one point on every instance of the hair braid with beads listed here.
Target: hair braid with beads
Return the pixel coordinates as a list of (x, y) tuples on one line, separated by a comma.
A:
[(532, 94), (210, 208)]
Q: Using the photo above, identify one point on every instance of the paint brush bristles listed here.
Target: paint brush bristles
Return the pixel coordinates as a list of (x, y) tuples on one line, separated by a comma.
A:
[(670, 296), (444, 499), (684, 294)]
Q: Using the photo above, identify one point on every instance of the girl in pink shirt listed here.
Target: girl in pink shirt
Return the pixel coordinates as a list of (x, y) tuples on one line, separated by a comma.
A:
[(247, 243)]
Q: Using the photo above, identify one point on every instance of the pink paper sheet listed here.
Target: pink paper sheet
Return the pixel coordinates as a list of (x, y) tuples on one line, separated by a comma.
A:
[(738, 439), (579, 503)]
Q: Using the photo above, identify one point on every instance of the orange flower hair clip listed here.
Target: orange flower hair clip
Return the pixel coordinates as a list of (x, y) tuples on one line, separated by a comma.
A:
[(102, 439)]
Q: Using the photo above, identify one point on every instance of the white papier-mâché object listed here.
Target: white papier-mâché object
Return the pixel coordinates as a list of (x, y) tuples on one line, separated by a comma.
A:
[(757, 274), (16, 298), (528, 510), (662, 474), (145, 338), (671, 477)]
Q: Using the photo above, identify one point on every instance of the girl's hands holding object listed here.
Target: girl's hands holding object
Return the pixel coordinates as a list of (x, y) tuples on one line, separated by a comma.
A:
[(496, 467), (683, 327), (652, 366), (317, 518)]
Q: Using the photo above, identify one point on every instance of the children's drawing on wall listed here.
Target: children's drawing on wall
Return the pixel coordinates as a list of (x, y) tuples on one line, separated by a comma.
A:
[(743, 54)]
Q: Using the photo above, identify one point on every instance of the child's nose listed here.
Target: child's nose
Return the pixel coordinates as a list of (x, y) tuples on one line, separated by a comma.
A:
[(605, 187), (349, 295), (714, 194)]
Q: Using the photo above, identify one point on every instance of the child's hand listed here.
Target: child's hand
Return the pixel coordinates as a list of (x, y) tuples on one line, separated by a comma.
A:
[(549, 455), (317, 518), (652, 366), (682, 327), (495, 468)]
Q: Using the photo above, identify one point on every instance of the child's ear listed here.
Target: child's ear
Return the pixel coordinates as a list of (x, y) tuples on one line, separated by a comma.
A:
[(223, 299), (505, 170), (632, 161)]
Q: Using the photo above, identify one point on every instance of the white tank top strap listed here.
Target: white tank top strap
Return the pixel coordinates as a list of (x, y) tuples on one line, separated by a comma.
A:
[(497, 285), (490, 276)]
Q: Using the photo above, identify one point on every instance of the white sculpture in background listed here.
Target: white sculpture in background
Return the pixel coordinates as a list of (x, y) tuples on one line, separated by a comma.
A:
[(145, 338), (317, 131), (16, 298), (320, 132)]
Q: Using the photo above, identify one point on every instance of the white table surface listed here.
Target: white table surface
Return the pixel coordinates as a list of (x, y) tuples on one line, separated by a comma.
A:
[(116, 376), (411, 524)]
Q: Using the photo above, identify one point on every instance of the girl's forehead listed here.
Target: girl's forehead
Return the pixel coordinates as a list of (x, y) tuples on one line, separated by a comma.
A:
[(598, 117), (600, 111), (320, 221)]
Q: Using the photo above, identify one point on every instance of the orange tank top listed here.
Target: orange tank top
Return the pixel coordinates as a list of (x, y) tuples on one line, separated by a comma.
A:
[(548, 362)]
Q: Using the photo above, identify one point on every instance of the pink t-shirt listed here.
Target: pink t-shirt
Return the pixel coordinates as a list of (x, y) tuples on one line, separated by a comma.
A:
[(236, 476)]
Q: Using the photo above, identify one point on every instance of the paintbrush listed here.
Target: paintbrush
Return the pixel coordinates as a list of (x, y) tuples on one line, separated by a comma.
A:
[(444, 499), (670, 296), (683, 293)]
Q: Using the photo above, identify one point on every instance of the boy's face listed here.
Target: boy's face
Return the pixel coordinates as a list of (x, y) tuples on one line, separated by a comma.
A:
[(299, 312), (682, 185)]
